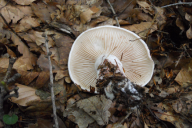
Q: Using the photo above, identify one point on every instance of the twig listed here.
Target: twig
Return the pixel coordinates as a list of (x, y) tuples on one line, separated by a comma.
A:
[(8, 73), (13, 78), (113, 13), (51, 82), (179, 3)]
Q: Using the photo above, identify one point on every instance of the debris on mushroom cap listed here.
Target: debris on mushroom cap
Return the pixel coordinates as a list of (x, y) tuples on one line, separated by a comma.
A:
[(104, 41)]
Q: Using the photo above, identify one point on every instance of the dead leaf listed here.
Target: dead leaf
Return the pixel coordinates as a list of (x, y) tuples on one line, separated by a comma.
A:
[(26, 23), (184, 77), (63, 44), (146, 7), (10, 52), (164, 112), (68, 80), (4, 62), (142, 28), (189, 32), (15, 12), (27, 77), (81, 118), (97, 107), (26, 94), (60, 74), (42, 79), (28, 60), (44, 11), (188, 17), (44, 63), (179, 24)]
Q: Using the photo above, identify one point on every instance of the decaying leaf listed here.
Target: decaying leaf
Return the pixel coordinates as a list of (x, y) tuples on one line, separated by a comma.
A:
[(184, 77), (164, 112), (189, 32), (142, 29), (27, 23), (14, 12), (77, 115), (28, 60), (26, 94), (97, 107), (43, 11)]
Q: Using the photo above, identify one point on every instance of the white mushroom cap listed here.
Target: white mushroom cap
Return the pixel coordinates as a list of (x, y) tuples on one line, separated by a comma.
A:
[(109, 40)]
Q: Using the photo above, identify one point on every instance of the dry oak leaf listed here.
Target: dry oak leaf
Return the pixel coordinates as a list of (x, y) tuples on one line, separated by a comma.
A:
[(142, 28), (26, 94), (97, 107), (27, 23), (28, 60), (15, 13), (24, 2), (42, 79)]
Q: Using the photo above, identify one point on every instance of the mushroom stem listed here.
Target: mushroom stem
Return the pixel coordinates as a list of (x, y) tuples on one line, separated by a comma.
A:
[(110, 75)]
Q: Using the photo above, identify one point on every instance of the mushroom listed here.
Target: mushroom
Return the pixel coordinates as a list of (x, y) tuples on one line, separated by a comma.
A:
[(118, 46)]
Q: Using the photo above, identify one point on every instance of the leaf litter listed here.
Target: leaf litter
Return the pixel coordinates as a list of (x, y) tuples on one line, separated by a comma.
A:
[(167, 32)]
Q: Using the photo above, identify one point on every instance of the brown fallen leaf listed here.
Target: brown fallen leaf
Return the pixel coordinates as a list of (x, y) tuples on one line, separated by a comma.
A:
[(63, 44), (43, 63), (24, 2), (164, 112), (28, 60), (142, 28), (26, 94), (27, 77), (179, 24), (44, 11), (60, 74), (184, 77), (42, 79), (189, 32), (27, 23), (35, 36), (97, 107), (68, 80), (146, 7), (4, 63), (188, 17), (14, 12), (10, 52)]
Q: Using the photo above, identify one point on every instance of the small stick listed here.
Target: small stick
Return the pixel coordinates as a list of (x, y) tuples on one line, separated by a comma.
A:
[(51, 82), (179, 3), (113, 13)]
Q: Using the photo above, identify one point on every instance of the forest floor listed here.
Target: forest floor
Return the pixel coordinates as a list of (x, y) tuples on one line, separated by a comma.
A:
[(165, 26)]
